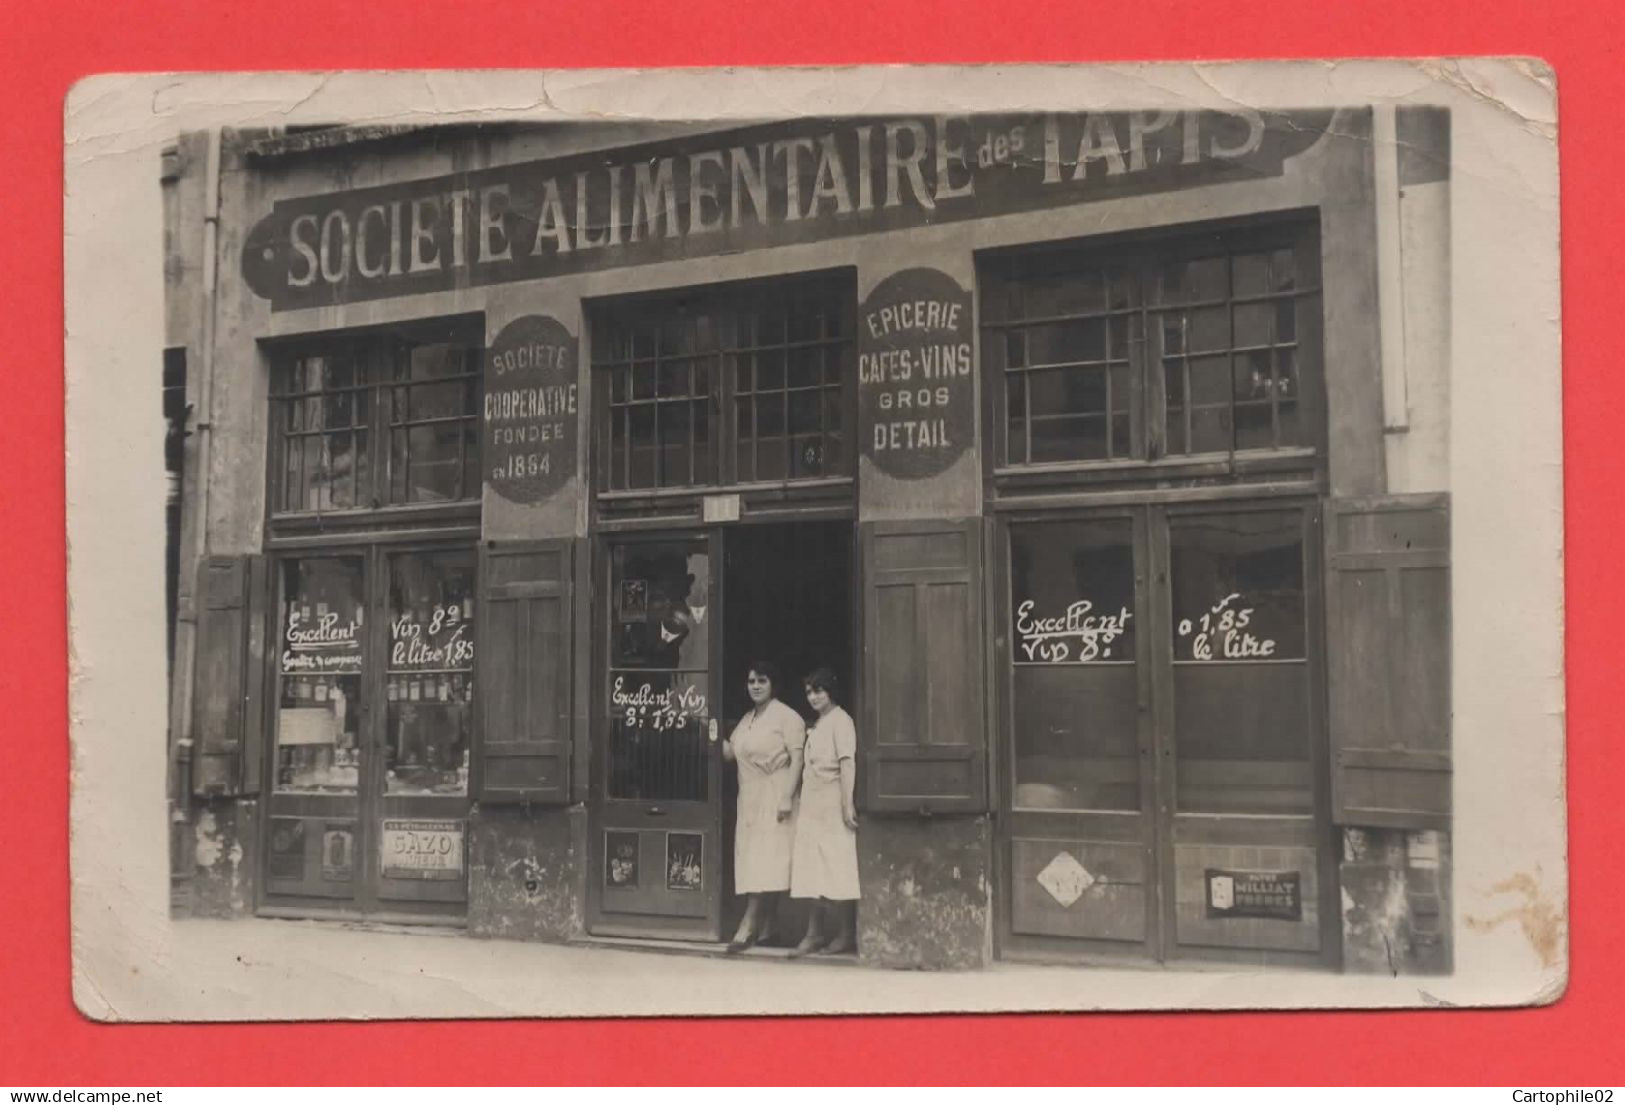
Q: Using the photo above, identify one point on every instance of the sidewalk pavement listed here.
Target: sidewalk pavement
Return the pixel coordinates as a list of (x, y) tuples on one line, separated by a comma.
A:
[(263, 969)]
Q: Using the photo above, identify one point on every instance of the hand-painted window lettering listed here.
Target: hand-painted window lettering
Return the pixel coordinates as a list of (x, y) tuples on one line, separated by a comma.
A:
[(671, 708), (1223, 634), (1077, 635)]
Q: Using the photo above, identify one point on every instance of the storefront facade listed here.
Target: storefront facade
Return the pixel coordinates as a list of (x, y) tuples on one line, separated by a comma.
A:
[(1103, 457)]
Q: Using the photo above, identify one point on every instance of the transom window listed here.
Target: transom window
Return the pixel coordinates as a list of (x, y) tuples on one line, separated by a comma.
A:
[(726, 386), (1192, 347), (376, 421)]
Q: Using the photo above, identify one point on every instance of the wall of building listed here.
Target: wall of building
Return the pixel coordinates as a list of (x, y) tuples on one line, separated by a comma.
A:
[(932, 880)]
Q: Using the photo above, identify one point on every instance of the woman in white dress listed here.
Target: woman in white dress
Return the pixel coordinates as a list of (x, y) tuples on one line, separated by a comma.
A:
[(824, 866), (766, 744)]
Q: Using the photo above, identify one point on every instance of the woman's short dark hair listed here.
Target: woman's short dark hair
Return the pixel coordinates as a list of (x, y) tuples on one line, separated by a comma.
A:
[(766, 668), (823, 679)]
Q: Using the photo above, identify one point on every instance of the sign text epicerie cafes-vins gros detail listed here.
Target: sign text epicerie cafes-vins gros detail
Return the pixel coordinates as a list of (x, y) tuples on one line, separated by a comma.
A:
[(916, 399), (751, 188)]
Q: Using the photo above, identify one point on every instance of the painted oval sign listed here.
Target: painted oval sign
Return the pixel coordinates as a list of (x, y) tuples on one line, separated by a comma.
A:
[(530, 410), (916, 374)]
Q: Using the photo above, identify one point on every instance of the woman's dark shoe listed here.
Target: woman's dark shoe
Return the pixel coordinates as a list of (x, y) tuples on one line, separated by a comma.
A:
[(815, 936), (746, 937), (843, 942)]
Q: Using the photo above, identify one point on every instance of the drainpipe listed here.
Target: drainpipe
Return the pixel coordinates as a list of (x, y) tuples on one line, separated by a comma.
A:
[(186, 644)]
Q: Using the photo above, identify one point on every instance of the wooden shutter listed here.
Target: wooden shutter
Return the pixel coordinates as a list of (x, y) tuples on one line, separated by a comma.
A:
[(526, 666), (228, 702), (924, 739), (1388, 660)]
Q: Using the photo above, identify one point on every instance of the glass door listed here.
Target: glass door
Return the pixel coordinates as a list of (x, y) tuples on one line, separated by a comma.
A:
[(1164, 752), (1246, 840), (427, 730), (313, 830), (657, 868), (1079, 833), (371, 735)]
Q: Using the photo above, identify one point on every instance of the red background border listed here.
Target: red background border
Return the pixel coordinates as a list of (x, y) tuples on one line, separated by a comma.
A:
[(44, 1041)]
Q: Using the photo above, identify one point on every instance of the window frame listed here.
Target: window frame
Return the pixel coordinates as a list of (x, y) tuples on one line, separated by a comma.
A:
[(1143, 253), (380, 353), (729, 302)]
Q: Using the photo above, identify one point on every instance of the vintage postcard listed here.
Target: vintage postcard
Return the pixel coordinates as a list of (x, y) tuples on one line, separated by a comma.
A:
[(813, 541)]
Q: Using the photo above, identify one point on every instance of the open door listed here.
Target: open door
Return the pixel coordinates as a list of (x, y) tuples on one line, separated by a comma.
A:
[(656, 825)]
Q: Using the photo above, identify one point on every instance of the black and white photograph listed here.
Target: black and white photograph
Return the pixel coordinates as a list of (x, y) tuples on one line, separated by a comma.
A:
[(815, 541)]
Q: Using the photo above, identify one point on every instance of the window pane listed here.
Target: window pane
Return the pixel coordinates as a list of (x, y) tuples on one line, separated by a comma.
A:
[(1283, 270), (1250, 274), (321, 655), (1210, 405), (643, 380), (1195, 281), (834, 455), (1208, 329), (770, 370), (642, 434), (806, 367), (1240, 679), (430, 673), (672, 379), (1237, 582), (1254, 324), (659, 672), (1173, 370), (434, 467), (1072, 293), (770, 443), (1064, 342), (674, 452), (1016, 407), (704, 457), (1286, 384), (1075, 687), (1255, 387)]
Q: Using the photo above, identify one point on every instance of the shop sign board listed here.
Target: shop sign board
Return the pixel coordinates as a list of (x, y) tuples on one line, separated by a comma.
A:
[(421, 849), (916, 395), (743, 189), (529, 409), (1270, 895)]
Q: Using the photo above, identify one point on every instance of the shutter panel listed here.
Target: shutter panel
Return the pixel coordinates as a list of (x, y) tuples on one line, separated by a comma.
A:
[(229, 677), (924, 738), (1388, 660), (526, 663)]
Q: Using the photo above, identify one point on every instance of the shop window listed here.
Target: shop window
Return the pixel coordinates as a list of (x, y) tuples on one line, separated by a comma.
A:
[(1075, 690), (1240, 663), (429, 677), (364, 423), (724, 387), (1186, 348), (320, 667)]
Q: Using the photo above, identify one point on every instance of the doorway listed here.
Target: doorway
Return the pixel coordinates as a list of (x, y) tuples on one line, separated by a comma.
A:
[(686, 615), (1165, 785), (373, 692)]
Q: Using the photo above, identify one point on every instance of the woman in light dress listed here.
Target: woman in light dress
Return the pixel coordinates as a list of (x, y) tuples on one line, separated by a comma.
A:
[(824, 866), (766, 744)]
